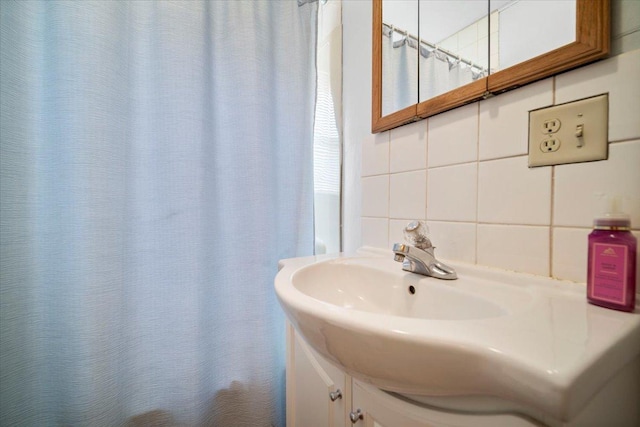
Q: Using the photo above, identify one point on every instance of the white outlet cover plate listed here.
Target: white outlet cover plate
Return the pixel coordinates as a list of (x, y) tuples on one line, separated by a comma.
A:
[(590, 115)]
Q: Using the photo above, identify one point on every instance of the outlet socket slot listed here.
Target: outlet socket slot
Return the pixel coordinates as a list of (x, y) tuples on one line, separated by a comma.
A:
[(551, 126)]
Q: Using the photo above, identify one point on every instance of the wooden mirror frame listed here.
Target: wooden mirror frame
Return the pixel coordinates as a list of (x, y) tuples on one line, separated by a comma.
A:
[(592, 43)]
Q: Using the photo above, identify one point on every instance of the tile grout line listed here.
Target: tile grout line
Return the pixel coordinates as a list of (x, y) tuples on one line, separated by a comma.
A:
[(426, 171), (388, 186), (552, 194), (475, 254), (552, 206)]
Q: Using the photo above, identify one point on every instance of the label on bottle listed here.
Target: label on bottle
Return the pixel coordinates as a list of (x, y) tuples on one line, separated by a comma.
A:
[(608, 272)]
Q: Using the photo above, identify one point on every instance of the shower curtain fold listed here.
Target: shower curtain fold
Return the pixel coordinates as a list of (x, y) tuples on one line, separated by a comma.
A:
[(153, 171)]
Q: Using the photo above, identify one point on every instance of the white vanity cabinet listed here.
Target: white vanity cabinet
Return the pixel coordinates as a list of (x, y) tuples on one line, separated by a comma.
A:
[(311, 380), (532, 349), (317, 393), (380, 409)]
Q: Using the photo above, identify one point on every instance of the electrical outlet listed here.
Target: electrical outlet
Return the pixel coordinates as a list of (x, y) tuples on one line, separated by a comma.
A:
[(550, 144), (569, 133), (551, 126)]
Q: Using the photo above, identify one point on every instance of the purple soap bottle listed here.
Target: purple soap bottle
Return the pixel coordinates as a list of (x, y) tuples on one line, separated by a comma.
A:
[(611, 271)]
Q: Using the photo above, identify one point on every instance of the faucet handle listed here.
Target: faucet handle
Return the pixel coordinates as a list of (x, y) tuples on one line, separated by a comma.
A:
[(416, 233)]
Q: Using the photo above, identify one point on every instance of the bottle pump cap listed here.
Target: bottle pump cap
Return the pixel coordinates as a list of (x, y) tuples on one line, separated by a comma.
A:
[(614, 217)]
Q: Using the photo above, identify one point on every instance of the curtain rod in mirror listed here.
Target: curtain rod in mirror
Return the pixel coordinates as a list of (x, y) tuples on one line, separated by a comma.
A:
[(433, 47)]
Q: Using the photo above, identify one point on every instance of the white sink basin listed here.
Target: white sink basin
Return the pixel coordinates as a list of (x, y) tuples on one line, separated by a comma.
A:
[(360, 284), (490, 340)]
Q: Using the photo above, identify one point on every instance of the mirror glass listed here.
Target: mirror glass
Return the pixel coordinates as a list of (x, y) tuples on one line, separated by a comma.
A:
[(523, 29), (399, 55), (454, 45)]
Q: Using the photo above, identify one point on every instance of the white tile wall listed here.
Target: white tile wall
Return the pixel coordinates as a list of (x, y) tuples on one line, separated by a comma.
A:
[(408, 147), (511, 193), (469, 177), (504, 120), (375, 232), (514, 247), (494, 45), (375, 196), (618, 76), (454, 240), (471, 42), (453, 136), (375, 154), (579, 187), (396, 227), (408, 195), (569, 250), (452, 192)]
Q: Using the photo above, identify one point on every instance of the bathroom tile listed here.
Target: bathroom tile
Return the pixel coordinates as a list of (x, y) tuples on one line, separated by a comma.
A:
[(625, 43), (453, 136), (511, 193), (619, 77), (409, 147), (494, 22), (494, 60), (625, 34), (580, 187), (408, 192), (375, 232), (569, 254), (625, 16), (454, 241), (375, 196), (452, 193), (450, 43), (375, 154), (468, 36), (483, 27), (396, 228), (494, 50), (483, 51), (470, 52), (514, 247), (504, 119)]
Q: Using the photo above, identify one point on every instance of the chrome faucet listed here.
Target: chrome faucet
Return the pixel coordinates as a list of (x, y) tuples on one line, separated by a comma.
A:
[(419, 257)]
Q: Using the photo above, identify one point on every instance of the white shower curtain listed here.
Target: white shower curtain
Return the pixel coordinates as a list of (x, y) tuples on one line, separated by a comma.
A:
[(156, 162)]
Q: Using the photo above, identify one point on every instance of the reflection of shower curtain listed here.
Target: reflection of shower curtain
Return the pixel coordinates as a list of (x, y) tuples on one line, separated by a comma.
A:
[(440, 73), (399, 73), (156, 162), (405, 74), (435, 75)]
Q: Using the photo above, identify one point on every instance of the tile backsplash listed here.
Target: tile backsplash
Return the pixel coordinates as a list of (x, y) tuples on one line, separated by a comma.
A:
[(465, 172)]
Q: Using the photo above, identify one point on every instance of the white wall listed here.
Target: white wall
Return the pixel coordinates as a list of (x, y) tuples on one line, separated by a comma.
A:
[(465, 171)]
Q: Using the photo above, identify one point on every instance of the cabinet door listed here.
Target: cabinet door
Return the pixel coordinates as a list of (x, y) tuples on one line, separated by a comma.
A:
[(380, 409), (310, 380)]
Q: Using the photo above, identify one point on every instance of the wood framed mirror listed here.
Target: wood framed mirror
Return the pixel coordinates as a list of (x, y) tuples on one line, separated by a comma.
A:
[(592, 41)]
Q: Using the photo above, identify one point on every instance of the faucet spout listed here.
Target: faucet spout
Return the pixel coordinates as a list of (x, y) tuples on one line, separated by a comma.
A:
[(422, 261)]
